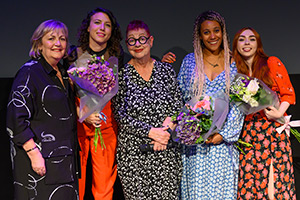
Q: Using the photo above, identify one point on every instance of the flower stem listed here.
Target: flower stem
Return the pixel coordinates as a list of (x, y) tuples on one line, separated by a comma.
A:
[(98, 133), (296, 134)]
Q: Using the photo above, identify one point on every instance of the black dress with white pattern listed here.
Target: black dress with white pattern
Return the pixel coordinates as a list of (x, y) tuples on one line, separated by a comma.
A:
[(139, 106)]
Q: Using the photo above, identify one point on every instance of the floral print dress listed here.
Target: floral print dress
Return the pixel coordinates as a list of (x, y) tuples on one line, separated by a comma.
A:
[(139, 106), (211, 171), (268, 146)]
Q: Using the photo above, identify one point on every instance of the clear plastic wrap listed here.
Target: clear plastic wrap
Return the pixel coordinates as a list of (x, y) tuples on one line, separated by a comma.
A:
[(200, 118), (95, 87), (251, 94)]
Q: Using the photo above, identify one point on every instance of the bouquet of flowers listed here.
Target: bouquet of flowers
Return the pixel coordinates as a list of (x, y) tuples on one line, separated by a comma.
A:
[(200, 118), (251, 94), (97, 83)]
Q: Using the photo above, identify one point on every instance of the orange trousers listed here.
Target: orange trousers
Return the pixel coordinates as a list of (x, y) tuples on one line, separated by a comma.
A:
[(103, 160)]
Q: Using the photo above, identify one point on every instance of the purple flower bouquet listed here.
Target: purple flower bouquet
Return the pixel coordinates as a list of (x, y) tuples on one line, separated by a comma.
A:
[(200, 118), (96, 84)]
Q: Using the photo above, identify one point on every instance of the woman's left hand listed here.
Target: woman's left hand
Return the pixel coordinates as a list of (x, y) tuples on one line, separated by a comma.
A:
[(158, 146), (214, 139), (169, 57), (272, 113)]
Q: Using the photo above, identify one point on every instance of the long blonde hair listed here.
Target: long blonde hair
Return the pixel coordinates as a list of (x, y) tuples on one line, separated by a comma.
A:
[(199, 81)]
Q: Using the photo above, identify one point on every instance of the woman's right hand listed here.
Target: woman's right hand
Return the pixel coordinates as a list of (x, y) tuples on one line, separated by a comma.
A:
[(35, 156), (93, 119), (159, 135), (37, 162), (169, 57)]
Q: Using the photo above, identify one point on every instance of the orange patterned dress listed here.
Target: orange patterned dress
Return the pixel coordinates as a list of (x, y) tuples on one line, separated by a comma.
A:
[(268, 146)]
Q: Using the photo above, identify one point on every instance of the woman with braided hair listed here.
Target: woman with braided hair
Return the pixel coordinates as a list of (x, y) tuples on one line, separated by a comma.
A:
[(210, 170)]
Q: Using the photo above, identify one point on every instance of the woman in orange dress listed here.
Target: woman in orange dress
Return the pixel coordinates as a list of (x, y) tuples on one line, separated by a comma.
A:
[(266, 169)]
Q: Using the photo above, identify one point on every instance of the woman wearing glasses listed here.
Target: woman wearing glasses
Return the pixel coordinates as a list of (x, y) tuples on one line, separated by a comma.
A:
[(148, 96)]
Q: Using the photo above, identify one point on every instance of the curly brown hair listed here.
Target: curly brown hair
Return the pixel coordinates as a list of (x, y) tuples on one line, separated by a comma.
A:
[(113, 44)]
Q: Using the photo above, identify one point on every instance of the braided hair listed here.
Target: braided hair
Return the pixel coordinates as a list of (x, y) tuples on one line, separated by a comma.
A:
[(198, 83)]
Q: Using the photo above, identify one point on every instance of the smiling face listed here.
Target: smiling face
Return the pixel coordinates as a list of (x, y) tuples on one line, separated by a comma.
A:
[(247, 44), (100, 30), (211, 35), (53, 46), (139, 50)]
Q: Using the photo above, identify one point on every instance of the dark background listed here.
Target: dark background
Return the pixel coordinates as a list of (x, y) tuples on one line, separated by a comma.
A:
[(171, 24), (170, 21)]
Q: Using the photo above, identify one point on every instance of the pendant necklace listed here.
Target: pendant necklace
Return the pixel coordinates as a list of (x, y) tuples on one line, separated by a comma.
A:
[(214, 65)]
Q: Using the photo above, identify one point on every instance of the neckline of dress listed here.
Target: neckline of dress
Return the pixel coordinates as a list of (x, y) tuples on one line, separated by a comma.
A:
[(151, 77), (218, 74), (98, 53)]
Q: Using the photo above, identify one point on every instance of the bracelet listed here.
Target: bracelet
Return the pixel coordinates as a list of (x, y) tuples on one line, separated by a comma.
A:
[(31, 149)]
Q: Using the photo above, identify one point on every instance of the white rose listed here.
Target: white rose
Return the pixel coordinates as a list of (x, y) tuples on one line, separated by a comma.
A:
[(246, 98), (253, 86), (253, 103)]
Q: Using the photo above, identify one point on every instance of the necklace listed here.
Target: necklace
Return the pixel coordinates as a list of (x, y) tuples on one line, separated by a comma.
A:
[(214, 65)]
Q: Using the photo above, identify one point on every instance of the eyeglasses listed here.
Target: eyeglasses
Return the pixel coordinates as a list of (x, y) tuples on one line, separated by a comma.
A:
[(142, 40)]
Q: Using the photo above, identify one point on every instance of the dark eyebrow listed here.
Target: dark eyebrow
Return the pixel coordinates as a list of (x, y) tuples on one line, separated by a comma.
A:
[(97, 19), (249, 36)]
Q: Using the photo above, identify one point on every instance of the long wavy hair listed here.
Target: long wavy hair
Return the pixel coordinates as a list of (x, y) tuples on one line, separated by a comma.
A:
[(113, 44), (259, 66), (198, 83)]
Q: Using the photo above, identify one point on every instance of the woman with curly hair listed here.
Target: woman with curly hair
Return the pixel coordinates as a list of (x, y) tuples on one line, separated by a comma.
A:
[(210, 170), (99, 34)]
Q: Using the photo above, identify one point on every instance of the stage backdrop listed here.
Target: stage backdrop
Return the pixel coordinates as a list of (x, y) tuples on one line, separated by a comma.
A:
[(170, 22)]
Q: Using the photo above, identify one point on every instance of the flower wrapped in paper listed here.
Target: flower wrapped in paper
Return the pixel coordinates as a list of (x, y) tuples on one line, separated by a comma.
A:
[(96, 83), (200, 118), (251, 94)]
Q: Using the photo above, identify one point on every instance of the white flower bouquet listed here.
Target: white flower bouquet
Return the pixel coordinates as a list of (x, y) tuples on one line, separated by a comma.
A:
[(251, 94)]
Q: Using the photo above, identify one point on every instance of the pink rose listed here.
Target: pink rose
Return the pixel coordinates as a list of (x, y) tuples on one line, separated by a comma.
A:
[(203, 104)]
